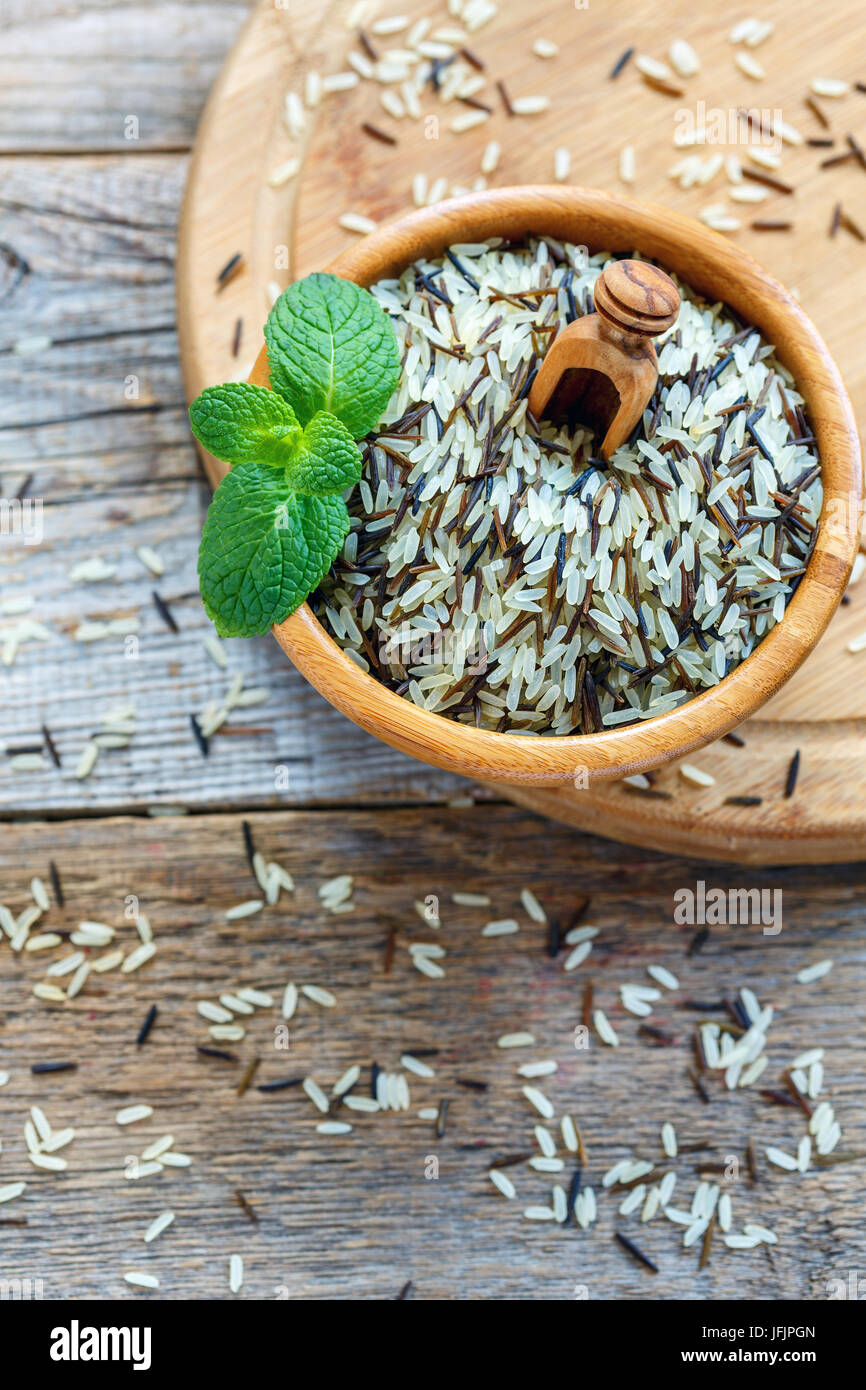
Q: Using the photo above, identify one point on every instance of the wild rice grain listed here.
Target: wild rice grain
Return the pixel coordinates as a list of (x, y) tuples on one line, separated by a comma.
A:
[(636, 1252)]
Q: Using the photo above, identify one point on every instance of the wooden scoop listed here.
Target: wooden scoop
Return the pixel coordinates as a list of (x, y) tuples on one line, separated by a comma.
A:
[(601, 370)]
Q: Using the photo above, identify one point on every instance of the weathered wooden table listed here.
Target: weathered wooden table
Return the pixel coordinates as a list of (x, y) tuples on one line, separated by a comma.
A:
[(98, 106)]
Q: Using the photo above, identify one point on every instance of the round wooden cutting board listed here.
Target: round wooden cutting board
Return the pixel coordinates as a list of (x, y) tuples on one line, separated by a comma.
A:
[(287, 229)]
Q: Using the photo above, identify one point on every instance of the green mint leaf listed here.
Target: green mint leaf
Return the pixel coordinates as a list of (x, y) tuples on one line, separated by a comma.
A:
[(332, 347), (325, 458), (238, 422), (264, 548)]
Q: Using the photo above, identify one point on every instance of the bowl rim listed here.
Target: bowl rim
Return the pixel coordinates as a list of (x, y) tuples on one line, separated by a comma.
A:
[(705, 260)]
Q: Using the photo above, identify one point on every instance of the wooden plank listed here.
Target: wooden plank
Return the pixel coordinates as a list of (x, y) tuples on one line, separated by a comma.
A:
[(385, 1220), (113, 474), (88, 270), (298, 750), (72, 76), (87, 265)]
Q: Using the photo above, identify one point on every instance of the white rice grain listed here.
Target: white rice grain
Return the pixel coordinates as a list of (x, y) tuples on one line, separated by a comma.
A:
[(157, 1226), (696, 775), (530, 106), (577, 956), (131, 1114), (830, 87), (781, 1159), (496, 1176), (244, 909), (684, 59), (316, 1094), (539, 1101), (811, 973), (627, 164), (323, 997), (140, 956), (354, 222), (516, 1040), (504, 926), (532, 906), (531, 1069), (604, 1029), (290, 1001), (663, 976)]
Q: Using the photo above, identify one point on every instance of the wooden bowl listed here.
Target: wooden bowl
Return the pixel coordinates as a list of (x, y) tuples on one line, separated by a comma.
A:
[(718, 270)]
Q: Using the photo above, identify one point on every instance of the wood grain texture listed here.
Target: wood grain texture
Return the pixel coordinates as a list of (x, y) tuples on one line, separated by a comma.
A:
[(354, 1216), (334, 144), (96, 236), (72, 75), (821, 823)]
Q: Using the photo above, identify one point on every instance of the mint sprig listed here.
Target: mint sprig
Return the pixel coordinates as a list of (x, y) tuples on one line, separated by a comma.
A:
[(264, 548), (331, 347), (278, 520), (238, 422)]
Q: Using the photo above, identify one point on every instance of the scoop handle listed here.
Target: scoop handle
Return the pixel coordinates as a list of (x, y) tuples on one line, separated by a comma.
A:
[(636, 299)]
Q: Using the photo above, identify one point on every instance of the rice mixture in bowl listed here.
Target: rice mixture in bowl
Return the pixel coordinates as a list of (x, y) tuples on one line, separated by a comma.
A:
[(499, 573)]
